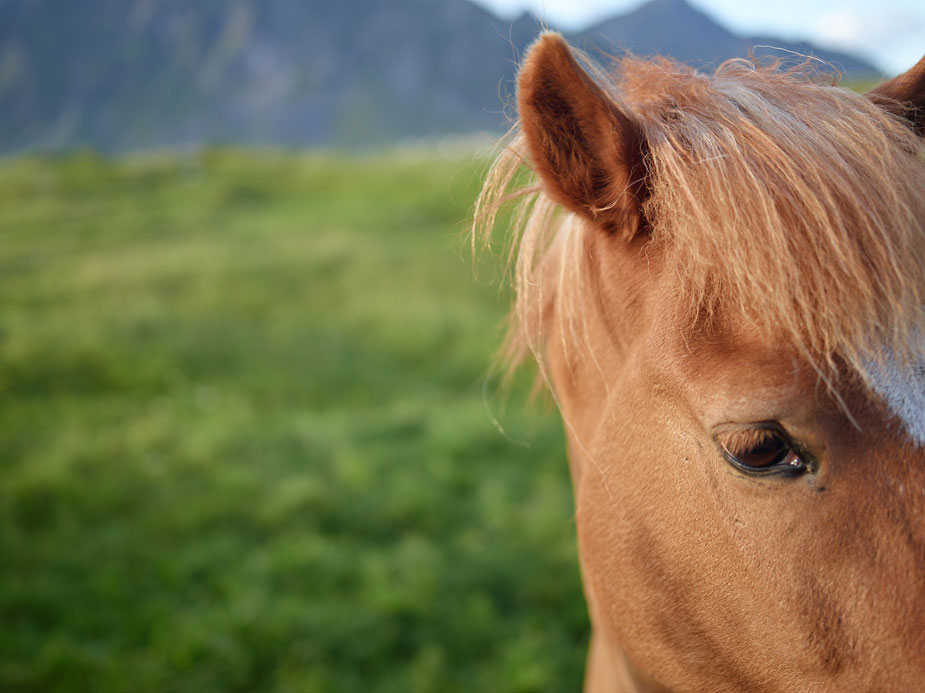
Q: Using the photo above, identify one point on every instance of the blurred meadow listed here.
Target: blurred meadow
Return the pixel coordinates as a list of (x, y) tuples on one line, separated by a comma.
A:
[(247, 436)]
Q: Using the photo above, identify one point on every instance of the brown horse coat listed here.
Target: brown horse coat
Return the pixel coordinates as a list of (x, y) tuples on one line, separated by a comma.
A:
[(722, 279)]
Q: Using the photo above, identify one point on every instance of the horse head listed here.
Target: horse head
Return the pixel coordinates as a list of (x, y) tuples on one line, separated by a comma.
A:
[(722, 278)]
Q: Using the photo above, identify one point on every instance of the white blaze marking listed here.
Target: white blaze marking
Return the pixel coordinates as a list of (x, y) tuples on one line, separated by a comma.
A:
[(904, 392)]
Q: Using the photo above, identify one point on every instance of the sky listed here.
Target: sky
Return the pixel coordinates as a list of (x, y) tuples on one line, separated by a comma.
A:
[(889, 33)]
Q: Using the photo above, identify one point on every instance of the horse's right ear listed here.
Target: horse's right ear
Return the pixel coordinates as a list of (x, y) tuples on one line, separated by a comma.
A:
[(904, 95), (586, 150)]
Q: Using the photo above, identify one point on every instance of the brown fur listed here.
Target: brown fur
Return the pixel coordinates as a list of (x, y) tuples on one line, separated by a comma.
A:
[(697, 255), (792, 204), (904, 95)]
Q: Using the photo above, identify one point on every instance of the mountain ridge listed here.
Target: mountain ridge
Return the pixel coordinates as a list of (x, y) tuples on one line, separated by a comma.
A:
[(120, 75)]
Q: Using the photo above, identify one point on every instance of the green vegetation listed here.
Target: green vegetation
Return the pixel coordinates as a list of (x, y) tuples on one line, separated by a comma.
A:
[(243, 438)]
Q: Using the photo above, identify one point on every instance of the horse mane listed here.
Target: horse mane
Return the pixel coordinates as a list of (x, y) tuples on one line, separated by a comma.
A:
[(773, 196)]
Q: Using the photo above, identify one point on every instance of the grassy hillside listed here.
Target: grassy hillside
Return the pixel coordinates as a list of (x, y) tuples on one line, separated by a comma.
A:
[(243, 439)]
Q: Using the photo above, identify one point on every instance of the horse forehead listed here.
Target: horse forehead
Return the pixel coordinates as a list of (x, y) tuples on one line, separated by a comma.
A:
[(903, 389)]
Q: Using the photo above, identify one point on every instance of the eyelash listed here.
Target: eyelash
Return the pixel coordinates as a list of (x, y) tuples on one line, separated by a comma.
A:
[(769, 445)]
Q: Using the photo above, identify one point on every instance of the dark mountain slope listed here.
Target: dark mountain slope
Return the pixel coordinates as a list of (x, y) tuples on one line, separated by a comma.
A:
[(129, 74), (667, 27), (118, 74)]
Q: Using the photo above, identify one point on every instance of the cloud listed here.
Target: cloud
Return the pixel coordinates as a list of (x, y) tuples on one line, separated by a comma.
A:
[(839, 29), (892, 39)]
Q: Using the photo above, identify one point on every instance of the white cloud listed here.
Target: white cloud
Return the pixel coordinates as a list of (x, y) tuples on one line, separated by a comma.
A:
[(894, 39), (839, 29)]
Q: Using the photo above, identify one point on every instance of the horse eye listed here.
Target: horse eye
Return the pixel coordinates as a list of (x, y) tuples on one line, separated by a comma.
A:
[(761, 451)]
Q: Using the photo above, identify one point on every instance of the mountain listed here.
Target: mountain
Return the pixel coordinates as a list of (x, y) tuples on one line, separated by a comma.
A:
[(677, 29), (665, 27), (127, 74), (120, 74)]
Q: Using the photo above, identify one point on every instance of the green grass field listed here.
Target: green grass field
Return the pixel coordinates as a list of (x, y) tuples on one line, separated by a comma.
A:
[(243, 438)]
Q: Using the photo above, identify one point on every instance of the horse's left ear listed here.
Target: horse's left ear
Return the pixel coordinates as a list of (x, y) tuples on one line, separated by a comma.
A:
[(586, 149), (904, 95)]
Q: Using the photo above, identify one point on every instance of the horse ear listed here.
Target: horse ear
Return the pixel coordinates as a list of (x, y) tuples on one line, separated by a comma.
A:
[(904, 95), (586, 150)]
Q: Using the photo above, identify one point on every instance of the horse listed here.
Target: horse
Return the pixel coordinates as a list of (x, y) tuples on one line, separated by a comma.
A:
[(721, 277)]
